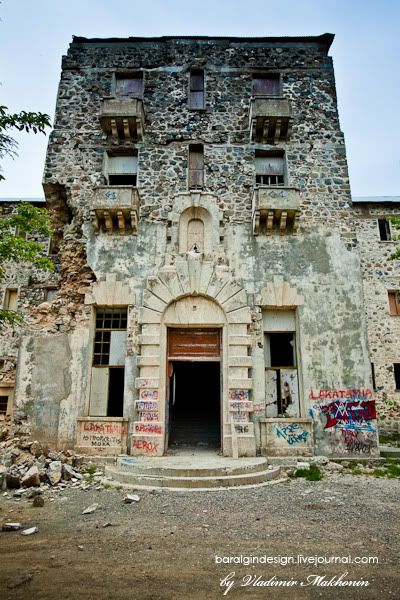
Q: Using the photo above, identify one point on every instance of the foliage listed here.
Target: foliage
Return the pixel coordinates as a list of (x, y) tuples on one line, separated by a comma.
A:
[(17, 245), (22, 121), (311, 474), (395, 221)]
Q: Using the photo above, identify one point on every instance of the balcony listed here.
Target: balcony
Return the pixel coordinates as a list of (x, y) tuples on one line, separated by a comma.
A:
[(275, 209), (270, 119), (115, 208), (123, 118)]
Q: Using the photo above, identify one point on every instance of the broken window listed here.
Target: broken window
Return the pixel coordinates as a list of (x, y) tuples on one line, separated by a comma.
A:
[(281, 380), (129, 86), (107, 385), (196, 167), (396, 371), (270, 168), (394, 303), (385, 233), (10, 299), (121, 169), (196, 93), (266, 85)]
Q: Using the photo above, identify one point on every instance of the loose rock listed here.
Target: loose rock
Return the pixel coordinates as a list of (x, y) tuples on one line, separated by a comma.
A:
[(90, 509)]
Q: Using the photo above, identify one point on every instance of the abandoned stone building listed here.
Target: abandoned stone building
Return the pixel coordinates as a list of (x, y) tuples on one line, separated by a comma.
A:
[(215, 286)]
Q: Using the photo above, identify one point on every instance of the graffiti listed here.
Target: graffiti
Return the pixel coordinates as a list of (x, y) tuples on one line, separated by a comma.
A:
[(241, 395), (292, 433), (350, 415), (96, 440), (148, 416), (149, 394), (148, 428), (106, 428), (242, 428), (145, 446), (242, 406), (357, 442), (356, 394), (146, 405), (241, 417)]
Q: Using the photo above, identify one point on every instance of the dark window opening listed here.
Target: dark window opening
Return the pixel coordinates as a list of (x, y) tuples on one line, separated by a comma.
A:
[(3, 405), (384, 230), (196, 98), (266, 85), (282, 347), (129, 86), (107, 320), (122, 180), (373, 376), (270, 168), (115, 407), (396, 370), (281, 374), (196, 167)]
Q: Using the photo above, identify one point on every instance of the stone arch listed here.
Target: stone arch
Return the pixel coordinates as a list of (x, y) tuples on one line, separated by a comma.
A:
[(194, 291), (279, 294)]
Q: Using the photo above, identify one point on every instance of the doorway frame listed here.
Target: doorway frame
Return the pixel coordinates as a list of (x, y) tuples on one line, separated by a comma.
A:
[(169, 360)]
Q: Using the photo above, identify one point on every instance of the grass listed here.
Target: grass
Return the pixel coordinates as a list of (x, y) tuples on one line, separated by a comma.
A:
[(390, 470), (311, 474), (390, 439)]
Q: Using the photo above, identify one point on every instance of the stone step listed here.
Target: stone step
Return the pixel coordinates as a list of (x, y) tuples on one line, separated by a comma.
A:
[(175, 469), (141, 480)]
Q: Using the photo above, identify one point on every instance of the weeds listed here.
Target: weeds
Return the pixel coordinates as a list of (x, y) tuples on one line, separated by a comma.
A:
[(311, 474)]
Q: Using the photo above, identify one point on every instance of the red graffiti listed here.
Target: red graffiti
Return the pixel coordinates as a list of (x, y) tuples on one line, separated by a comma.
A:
[(145, 446), (148, 428), (105, 428), (339, 394), (358, 441), (348, 412)]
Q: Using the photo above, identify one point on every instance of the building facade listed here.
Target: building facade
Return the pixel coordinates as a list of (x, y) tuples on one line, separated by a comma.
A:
[(210, 291)]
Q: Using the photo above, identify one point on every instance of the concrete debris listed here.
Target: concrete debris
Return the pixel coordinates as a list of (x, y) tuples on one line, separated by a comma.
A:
[(54, 472), (130, 498), (38, 501), (31, 478), (90, 509), (30, 531), (11, 526)]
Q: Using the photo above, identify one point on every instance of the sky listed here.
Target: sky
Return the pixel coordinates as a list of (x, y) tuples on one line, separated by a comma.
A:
[(34, 34)]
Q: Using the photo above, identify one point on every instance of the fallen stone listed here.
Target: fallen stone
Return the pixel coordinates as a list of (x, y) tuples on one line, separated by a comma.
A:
[(30, 531), (31, 478), (90, 509), (20, 581), (130, 498), (332, 466), (38, 501), (54, 472), (11, 526), (37, 449), (68, 472), (303, 465), (108, 524)]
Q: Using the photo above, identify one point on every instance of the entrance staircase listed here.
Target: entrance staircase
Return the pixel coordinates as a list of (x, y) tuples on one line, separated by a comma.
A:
[(199, 471)]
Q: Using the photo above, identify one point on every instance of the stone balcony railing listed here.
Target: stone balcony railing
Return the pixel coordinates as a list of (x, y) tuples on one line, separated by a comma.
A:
[(275, 208), (115, 208), (270, 119), (123, 118)]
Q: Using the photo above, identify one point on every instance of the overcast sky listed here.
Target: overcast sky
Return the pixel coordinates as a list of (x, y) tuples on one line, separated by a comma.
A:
[(34, 34)]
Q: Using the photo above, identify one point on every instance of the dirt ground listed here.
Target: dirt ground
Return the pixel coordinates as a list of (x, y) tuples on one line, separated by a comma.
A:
[(164, 546)]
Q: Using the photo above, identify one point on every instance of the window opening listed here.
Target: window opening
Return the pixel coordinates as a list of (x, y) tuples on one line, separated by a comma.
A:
[(281, 376), (196, 166), (266, 85), (129, 86), (3, 405), (396, 370), (394, 303), (385, 233), (10, 299), (196, 98), (269, 168), (373, 376), (122, 170)]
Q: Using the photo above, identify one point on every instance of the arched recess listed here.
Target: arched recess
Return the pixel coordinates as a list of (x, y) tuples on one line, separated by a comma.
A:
[(193, 292), (195, 222)]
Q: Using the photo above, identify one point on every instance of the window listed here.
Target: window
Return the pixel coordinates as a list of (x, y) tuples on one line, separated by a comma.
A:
[(196, 167), (394, 303), (396, 371), (121, 170), (269, 168), (266, 85), (3, 405), (385, 233), (10, 299), (107, 384), (196, 93), (129, 86), (281, 380)]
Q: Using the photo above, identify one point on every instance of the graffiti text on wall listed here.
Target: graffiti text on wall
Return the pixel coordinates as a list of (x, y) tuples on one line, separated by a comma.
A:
[(293, 433), (352, 409)]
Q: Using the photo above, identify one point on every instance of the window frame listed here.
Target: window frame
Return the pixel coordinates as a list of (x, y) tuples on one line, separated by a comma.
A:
[(396, 375), (6, 298), (190, 90), (191, 150), (385, 222), (394, 302), (110, 154), (260, 153), (267, 75), (127, 75)]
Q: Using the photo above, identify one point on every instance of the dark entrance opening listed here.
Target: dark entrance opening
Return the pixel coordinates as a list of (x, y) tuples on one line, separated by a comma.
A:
[(194, 411)]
